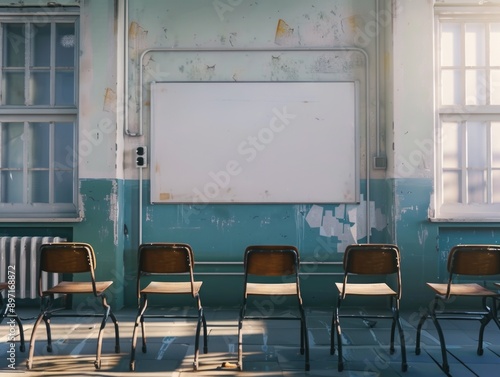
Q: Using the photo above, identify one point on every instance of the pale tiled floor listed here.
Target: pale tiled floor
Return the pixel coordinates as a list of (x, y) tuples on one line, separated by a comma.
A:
[(270, 348)]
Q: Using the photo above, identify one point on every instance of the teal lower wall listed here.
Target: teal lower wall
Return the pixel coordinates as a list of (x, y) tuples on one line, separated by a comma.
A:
[(220, 233)]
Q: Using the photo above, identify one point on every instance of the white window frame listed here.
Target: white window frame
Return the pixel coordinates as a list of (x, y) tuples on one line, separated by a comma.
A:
[(50, 114), (461, 114)]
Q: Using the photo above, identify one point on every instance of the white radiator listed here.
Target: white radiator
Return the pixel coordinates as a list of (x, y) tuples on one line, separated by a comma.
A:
[(22, 252)]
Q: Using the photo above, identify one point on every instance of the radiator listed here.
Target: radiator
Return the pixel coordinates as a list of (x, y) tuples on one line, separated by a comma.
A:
[(22, 252)]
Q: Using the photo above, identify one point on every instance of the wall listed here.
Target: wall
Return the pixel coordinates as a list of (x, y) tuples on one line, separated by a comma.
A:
[(388, 50)]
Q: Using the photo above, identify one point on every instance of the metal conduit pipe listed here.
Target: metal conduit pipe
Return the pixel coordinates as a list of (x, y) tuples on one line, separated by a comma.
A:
[(317, 49)]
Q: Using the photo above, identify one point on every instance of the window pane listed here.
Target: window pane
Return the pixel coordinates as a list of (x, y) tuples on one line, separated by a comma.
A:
[(40, 144), (495, 87), (477, 146), (65, 45), (475, 51), (39, 187), (41, 45), (63, 186), (12, 145), (65, 88), (495, 145), (495, 174), (14, 45), (476, 87), (64, 149), (451, 87), (494, 43), (451, 48), (476, 184), (40, 88), (452, 187), (13, 88), (451, 145), (12, 186)]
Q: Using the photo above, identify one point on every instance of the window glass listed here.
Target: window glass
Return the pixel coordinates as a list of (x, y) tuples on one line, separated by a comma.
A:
[(14, 45), (65, 45), (452, 188), (477, 148), (40, 45), (40, 147), (475, 44), (451, 47), (451, 145)]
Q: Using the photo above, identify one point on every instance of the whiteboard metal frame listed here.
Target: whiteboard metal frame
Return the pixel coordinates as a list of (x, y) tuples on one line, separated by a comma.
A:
[(340, 194)]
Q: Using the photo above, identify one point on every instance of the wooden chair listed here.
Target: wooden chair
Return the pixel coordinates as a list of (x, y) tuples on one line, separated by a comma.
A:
[(472, 261), (70, 258), (9, 312), (279, 263), (370, 259), (167, 259)]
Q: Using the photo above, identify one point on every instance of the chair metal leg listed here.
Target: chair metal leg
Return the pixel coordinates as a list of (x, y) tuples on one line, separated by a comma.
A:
[(117, 332), (445, 365), (22, 346), (107, 309), (139, 318), (338, 329), (240, 336), (304, 337), (397, 321), (197, 339), (423, 318), (29, 362), (46, 319), (205, 339)]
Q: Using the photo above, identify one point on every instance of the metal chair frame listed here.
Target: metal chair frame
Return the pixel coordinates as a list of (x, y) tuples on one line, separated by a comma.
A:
[(70, 258), (167, 259), (9, 312), (277, 262), (370, 259), (472, 261)]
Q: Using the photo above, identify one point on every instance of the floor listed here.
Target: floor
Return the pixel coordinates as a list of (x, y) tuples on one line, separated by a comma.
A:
[(271, 348)]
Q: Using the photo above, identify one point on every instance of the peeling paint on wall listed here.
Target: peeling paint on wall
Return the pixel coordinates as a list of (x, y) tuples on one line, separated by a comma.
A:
[(284, 33), (347, 223), (109, 100), (114, 209)]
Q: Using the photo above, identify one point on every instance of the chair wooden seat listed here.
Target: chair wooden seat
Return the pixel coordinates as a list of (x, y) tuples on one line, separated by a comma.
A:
[(266, 267), (382, 260), (69, 258), (167, 260), (272, 289), (72, 287), (463, 289), (363, 289), (159, 287), (475, 262)]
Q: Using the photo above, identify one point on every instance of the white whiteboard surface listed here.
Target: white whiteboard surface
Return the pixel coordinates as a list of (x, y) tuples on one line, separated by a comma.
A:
[(254, 142)]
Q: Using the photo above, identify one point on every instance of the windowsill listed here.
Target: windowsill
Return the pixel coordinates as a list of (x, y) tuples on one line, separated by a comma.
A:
[(462, 220), (41, 220)]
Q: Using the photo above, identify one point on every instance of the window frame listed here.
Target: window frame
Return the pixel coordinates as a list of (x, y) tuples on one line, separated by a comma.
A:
[(50, 113), (461, 212)]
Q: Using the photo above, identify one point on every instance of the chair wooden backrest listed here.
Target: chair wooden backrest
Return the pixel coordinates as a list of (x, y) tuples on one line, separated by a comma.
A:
[(477, 260), (372, 259), (66, 258), (271, 260), (163, 258), (472, 260)]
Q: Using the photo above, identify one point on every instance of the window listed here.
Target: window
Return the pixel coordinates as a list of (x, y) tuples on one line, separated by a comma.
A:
[(468, 115), (38, 114)]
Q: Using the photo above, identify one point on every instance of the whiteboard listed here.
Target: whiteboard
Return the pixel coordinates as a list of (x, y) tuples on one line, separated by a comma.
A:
[(254, 142)]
